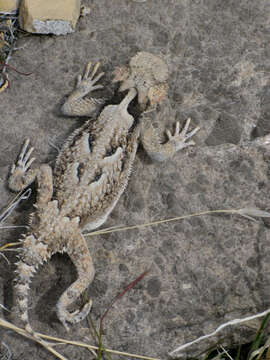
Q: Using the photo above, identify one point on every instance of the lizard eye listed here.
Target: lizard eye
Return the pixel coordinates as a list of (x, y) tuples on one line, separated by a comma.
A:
[(157, 93)]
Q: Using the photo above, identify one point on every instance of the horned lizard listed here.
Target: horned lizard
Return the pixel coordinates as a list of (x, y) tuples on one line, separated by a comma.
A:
[(90, 174)]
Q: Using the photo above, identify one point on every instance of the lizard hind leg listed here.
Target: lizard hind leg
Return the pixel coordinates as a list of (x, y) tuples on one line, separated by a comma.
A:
[(80, 256), (34, 253)]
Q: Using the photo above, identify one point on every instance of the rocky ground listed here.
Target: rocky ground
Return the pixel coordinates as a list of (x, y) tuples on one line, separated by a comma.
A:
[(203, 271)]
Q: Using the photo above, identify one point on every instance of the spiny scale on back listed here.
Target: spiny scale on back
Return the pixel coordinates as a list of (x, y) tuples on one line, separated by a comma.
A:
[(90, 174)]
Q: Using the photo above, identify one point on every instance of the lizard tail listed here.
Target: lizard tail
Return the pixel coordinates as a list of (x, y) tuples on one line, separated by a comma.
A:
[(78, 252), (34, 253)]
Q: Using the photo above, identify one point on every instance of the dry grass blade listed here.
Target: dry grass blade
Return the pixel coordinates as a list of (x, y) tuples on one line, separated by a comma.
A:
[(13, 226), (22, 332), (253, 212), (13, 203), (91, 347), (259, 352), (3, 307), (6, 246), (4, 257), (267, 355), (7, 210), (256, 351), (5, 352)]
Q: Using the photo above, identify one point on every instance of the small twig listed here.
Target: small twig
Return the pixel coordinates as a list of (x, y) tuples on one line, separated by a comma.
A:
[(14, 69), (11, 49)]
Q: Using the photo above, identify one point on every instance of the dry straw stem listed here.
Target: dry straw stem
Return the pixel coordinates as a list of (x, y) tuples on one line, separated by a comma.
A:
[(248, 213), (48, 346), (24, 333), (6, 246)]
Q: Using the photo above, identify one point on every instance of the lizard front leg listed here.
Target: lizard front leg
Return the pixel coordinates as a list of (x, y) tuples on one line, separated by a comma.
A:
[(21, 175), (76, 104), (150, 139)]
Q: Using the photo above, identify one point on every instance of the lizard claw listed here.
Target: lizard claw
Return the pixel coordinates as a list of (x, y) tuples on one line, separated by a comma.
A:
[(24, 162)]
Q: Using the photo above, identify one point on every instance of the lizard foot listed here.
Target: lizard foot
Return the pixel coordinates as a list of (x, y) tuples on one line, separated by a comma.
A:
[(74, 317), (20, 175), (86, 82), (23, 162), (76, 104), (179, 139)]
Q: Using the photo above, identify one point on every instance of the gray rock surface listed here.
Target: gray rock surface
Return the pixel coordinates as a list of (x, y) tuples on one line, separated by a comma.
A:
[(205, 270)]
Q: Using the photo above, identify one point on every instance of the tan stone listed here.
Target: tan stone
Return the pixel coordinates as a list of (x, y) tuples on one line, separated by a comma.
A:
[(49, 16), (9, 6)]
